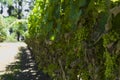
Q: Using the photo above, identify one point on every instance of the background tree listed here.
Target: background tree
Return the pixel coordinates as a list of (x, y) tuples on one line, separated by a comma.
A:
[(2, 29), (16, 11)]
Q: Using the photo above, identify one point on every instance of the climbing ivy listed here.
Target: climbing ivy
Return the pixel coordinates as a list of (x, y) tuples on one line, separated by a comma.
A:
[(73, 39)]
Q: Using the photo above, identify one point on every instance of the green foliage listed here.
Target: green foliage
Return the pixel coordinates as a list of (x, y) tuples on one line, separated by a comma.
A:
[(110, 64), (9, 20), (110, 37), (10, 2), (69, 38), (14, 24), (2, 29)]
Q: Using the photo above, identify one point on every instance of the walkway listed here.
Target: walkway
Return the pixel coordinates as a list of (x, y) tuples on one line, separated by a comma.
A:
[(16, 63)]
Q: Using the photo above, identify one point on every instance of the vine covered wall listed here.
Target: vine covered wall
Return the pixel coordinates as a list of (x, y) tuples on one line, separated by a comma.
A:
[(73, 39)]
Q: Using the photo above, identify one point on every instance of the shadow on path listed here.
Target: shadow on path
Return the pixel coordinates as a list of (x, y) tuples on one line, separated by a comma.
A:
[(24, 68)]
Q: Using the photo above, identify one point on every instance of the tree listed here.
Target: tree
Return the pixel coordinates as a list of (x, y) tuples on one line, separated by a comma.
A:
[(73, 39), (9, 2), (13, 21), (2, 29), (16, 7)]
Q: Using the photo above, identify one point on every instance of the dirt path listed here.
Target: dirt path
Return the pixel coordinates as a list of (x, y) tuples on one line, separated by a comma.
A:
[(8, 51), (16, 63)]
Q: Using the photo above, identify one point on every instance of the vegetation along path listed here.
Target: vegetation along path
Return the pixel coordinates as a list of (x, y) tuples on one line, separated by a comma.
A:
[(16, 63)]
